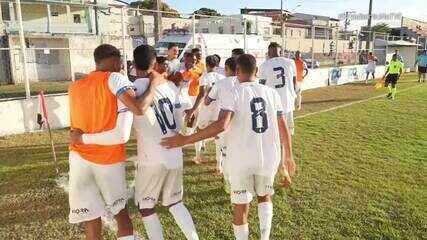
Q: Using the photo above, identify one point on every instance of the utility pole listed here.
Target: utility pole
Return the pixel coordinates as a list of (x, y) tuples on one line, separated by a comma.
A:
[(157, 21), (368, 44), (282, 26)]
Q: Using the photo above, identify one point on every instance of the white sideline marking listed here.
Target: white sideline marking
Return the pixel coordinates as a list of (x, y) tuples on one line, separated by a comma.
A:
[(350, 103)]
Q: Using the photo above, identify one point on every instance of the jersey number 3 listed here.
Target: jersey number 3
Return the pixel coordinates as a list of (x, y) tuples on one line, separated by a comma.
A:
[(259, 116), (280, 76), (162, 117)]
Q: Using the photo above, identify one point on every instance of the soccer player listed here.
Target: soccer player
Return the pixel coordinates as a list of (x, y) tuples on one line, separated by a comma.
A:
[(280, 73), (302, 71), (199, 63), (161, 66), (235, 53), (217, 92), (160, 170), (218, 68), (99, 105), (392, 75), (258, 143), (172, 58), (205, 114), (372, 65), (422, 65)]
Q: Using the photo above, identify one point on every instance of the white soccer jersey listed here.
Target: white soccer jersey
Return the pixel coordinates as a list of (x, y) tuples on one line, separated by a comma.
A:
[(160, 120), (209, 113), (253, 141), (279, 73)]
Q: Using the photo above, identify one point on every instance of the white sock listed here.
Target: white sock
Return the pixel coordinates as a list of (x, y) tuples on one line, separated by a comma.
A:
[(241, 232), (183, 219), (153, 227), (265, 215), (130, 237)]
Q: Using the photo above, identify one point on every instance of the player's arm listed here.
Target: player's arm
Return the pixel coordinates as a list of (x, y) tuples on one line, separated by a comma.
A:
[(212, 95), (119, 135), (190, 113), (305, 69), (287, 165), (215, 128), (139, 106)]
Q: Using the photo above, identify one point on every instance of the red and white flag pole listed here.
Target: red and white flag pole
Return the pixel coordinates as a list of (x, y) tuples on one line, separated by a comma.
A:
[(43, 119)]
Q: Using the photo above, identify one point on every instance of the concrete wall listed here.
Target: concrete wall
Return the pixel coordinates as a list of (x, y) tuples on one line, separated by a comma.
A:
[(19, 116)]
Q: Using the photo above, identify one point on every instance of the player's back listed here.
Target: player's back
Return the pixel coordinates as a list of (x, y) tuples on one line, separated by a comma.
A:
[(279, 73), (158, 122), (253, 142)]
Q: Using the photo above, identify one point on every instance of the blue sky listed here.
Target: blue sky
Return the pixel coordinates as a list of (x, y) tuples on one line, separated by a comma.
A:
[(409, 8)]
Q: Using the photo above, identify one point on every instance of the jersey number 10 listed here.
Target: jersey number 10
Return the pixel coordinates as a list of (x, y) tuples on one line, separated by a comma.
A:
[(259, 116), (162, 117)]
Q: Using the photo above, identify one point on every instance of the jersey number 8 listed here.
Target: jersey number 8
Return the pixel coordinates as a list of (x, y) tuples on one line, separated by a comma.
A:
[(259, 116)]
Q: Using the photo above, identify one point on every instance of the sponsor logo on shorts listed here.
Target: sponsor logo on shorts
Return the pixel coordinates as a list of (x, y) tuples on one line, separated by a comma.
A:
[(149, 199), (118, 201), (79, 211), (238, 192)]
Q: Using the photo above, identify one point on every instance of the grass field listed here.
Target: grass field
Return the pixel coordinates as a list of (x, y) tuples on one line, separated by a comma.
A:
[(18, 90), (361, 175)]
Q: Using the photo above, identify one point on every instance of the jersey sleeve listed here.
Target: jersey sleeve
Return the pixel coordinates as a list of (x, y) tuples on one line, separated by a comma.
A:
[(141, 85), (213, 94), (262, 76), (205, 80), (278, 103), (228, 101), (119, 83)]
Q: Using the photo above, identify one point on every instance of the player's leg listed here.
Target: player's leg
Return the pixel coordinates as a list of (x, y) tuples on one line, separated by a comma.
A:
[(388, 86), (290, 122), (148, 185), (373, 75), (264, 189), (86, 204), (111, 180), (419, 74), (299, 96), (242, 192), (367, 77), (219, 145), (394, 88), (172, 198)]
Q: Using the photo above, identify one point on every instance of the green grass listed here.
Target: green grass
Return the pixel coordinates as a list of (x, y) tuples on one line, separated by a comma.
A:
[(18, 90), (361, 175)]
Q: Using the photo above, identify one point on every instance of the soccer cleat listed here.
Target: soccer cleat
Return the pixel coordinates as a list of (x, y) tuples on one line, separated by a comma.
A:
[(388, 95)]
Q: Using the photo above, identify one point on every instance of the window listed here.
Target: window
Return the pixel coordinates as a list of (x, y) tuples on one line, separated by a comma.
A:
[(5, 13), (47, 57), (77, 18), (54, 14), (233, 30), (292, 32), (205, 30)]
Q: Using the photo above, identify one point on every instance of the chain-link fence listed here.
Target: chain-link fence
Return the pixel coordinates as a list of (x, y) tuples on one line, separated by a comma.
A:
[(46, 45)]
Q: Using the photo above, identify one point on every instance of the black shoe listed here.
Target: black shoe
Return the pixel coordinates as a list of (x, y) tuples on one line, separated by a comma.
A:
[(388, 95)]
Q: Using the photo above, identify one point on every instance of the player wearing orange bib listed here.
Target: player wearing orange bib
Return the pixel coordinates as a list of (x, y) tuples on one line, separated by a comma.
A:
[(99, 107), (302, 72)]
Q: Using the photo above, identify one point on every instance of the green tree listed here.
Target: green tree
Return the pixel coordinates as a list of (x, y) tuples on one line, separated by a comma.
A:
[(381, 28), (151, 5), (207, 12)]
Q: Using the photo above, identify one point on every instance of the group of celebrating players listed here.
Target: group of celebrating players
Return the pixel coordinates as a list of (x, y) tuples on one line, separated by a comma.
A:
[(169, 105)]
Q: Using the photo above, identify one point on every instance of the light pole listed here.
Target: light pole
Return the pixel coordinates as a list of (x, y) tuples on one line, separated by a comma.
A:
[(368, 44)]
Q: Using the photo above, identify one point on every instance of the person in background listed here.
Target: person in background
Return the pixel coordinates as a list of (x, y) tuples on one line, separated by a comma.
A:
[(372, 65), (218, 68), (200, 65), (399, 57), (172, 58), (302, 72), (392, 75), (235, 53), (422, 65)]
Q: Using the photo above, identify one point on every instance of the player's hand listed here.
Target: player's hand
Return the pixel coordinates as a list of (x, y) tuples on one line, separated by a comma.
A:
[(286, 180), (189, 114), (76, 136), (178, 140), (290, 166)]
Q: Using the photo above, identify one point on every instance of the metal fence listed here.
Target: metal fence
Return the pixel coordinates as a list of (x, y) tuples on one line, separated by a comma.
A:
[(47, 45)]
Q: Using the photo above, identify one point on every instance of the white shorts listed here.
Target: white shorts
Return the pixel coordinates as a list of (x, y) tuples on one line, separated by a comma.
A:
[(243, 188), (95, 189), (289, 116), (153, 180)]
